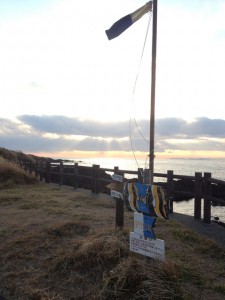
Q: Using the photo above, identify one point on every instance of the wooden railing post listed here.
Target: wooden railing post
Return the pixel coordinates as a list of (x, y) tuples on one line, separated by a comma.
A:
[(41, 170), (116, 170), (170, 190), (61, 173), (140, 175), (97, 171), (95, 175), (119, 205), (207, 193), (48, 172), (93, 179), (21, 164), (75, 172), (198, 196), (36, 168)]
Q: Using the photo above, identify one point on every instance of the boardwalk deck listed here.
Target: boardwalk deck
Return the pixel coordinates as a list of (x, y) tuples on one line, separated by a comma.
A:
[(213, 231)]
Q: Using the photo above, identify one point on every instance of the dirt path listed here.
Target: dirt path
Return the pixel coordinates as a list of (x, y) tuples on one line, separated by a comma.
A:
[(213, 231)]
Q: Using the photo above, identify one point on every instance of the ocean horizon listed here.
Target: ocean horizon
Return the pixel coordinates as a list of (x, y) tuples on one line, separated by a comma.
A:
[(187, 166), (180, 166)]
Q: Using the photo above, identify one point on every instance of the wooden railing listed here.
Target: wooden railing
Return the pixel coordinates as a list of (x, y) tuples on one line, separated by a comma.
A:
[(96, 179)]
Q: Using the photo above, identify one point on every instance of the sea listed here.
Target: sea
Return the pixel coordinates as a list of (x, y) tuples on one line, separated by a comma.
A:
[(179, 166)]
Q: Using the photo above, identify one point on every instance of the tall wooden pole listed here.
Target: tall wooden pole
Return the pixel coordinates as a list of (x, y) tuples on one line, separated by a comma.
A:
[(153, 80)]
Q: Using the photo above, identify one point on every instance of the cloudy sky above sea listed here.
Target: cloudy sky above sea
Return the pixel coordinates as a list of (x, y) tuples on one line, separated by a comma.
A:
[(67, 91)]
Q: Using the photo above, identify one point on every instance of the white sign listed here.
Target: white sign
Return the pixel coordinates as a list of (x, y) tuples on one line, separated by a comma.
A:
[(148, 247), (139, 224), (117, 177), (116, 194), (143, 225)]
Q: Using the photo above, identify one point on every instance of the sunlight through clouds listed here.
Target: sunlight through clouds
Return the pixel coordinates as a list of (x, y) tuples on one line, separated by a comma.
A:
[(61, 77)]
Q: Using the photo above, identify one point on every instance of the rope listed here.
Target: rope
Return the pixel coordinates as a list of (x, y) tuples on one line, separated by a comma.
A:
[(143, 50), (138, 128), (148, 156), (134, 89)]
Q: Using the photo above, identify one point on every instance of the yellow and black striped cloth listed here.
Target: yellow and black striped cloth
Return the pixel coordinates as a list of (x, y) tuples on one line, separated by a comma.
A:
[(147, 199)]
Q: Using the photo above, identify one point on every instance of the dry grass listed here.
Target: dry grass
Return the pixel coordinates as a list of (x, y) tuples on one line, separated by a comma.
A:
[(57, 243), (11, 174)]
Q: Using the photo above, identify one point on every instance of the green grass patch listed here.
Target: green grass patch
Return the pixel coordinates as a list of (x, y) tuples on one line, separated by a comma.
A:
[(210, 248), (219, 288), (29, 205)]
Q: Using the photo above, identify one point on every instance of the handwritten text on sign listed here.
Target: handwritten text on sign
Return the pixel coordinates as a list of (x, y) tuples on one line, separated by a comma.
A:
[(116, 194), (117, 177), (148, 247)]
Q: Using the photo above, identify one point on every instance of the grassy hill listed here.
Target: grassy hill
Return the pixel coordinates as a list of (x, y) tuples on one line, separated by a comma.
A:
[(60, 243), (15, 156), (10, 172), (57, 243)]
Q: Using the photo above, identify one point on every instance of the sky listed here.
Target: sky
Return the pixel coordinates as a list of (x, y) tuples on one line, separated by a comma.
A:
[(66, 91)]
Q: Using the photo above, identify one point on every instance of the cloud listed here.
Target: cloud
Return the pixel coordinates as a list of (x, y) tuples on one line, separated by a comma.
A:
[(33, 134), (200, 127), (74, 126)]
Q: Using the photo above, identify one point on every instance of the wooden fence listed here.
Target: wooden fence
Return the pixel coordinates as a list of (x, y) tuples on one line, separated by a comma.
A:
[(96, 178)]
